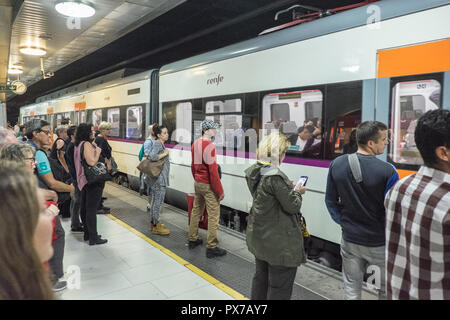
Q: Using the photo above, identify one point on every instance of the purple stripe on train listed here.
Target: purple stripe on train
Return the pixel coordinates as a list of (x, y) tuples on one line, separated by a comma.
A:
[(252, 155), (237, 154)]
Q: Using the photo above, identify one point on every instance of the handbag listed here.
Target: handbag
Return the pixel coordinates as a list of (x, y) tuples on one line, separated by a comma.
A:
[(151, 168), (97, 173)]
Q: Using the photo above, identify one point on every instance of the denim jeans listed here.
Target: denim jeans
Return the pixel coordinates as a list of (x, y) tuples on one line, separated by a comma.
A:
[(356, 261)]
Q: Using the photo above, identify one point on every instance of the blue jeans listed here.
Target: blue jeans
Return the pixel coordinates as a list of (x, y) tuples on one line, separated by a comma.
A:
[(356, 261)]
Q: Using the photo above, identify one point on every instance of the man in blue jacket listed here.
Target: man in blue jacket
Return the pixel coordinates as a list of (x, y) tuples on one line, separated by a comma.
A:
[(356, 187)]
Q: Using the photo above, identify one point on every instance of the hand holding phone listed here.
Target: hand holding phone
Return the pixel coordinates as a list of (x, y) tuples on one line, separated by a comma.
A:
[(302, 181)]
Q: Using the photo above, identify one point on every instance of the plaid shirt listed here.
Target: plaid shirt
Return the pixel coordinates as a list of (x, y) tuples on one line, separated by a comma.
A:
[(418, 236)]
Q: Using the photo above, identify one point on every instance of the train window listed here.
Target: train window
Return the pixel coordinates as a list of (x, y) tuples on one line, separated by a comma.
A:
[(342, 116), (82, 116), (58, 119), (229, 114), (134, 122), (290, 112), (183, 129), (96, 118), (232, 105), (410, 100), (114, 119)]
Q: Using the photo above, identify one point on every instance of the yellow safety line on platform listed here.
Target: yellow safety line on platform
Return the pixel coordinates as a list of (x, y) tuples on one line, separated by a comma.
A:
[(199, 272)]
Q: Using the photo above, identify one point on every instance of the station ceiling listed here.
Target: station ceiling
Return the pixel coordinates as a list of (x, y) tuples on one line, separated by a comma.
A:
[(142, 34)]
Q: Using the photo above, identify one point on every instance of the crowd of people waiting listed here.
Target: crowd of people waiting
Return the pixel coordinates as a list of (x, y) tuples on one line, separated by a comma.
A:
[(400, 227), (60, 186)]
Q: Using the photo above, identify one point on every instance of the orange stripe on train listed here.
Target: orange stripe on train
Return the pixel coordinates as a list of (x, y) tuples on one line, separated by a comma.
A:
[(416, 59)]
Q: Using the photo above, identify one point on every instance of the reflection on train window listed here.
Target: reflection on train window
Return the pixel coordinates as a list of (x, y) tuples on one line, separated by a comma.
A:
[(297, 115), (410, 100), (227, 106), (343, 115), (114, 119), (67, 115), (134, 122), (96, 118), (230, 133), (83, 117), (58, 119), (183, 129)]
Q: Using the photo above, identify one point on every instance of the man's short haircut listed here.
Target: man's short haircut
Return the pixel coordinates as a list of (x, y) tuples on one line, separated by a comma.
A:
[(60, 129), (65, 121), (34, 125), (310, 129), (369, 130), (432, 131), (104, 126)]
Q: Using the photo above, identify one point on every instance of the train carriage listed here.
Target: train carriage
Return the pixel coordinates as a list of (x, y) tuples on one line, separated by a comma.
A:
[(334, 72)]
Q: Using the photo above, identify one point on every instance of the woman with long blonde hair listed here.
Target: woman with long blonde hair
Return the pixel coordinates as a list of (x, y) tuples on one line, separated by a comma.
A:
[(25, 237)]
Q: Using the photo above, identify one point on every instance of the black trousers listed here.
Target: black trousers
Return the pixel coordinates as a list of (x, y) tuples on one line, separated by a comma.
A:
[(272, 282), (56, 262), (91, 196)]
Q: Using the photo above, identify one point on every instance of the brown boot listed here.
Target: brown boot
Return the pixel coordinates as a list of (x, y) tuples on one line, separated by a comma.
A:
[(160, 230)]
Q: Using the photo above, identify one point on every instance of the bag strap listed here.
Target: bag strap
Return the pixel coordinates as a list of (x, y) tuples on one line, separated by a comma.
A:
[(355, 166)]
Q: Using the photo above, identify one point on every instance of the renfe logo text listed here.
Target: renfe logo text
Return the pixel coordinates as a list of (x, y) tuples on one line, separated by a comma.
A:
[(215, 80)]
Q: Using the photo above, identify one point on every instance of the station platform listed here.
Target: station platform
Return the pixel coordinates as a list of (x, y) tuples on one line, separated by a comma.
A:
[(137, 265)]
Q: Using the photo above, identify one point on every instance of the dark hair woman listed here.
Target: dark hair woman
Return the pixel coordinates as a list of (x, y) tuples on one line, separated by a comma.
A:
[(25, 237), (91, 194), (158, 184)]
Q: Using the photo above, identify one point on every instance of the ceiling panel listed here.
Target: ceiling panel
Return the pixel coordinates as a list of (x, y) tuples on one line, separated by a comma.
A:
[(38, 24)]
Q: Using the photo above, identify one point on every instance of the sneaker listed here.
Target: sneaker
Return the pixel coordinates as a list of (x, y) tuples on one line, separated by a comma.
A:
[(193, 244), (106, 209), (77, 229), (102, 211), (215, 252), (59, 286)]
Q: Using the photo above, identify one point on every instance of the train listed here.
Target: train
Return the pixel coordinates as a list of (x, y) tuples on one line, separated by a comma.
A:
[(336, 72)]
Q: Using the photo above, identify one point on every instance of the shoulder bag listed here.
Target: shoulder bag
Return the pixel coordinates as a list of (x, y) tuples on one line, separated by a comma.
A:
[(94, 174)]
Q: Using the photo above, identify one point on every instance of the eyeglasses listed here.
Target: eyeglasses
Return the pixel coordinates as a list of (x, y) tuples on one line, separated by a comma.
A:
[(31, 159), (47, 132)]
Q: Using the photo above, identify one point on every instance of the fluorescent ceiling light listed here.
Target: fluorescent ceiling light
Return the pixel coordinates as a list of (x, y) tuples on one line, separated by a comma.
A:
[(76, 9), (15, 70), (33, 51)]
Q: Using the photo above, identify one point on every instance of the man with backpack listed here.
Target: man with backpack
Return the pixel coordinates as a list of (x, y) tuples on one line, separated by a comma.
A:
[(356, 186)]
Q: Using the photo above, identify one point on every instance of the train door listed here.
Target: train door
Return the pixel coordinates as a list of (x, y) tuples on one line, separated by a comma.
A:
[(410, 83)]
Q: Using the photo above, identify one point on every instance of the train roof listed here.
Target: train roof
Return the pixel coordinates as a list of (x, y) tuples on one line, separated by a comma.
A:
[(345, 20), (119, 77)]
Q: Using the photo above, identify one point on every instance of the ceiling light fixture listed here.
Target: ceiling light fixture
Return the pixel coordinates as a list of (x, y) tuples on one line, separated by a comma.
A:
[(33, 51), (15, 70), (75, 8)]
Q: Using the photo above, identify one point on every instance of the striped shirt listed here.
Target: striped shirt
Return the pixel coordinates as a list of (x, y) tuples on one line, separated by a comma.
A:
[(418, 236)]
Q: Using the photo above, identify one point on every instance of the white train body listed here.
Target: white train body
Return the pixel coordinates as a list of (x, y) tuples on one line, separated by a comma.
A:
[(293, 77)]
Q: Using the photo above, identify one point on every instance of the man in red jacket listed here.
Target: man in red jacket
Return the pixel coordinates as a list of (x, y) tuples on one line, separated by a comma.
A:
[(208, 189)]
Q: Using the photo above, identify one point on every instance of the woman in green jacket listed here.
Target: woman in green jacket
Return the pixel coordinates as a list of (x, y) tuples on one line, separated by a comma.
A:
[(273, 229)]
